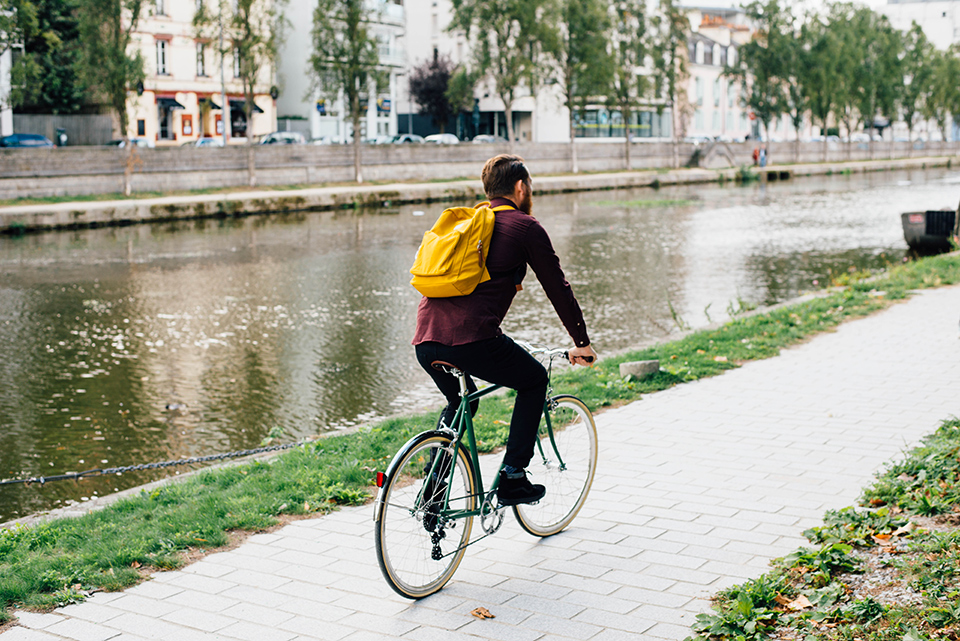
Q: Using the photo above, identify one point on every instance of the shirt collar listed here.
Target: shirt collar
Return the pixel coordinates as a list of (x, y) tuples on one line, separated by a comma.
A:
[(499, 202)]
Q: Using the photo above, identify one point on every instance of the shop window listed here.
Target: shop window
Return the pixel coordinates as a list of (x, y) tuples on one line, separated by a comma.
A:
[(186, 125), (218, 124), (141, 127), (164, 122)]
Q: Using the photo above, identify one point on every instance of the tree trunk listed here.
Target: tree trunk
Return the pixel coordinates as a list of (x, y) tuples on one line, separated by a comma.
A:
[(675, 133), (251, 156), (357, 143), (625, 112), (128, 167), (574, 167), (826, 145), (508, 112)]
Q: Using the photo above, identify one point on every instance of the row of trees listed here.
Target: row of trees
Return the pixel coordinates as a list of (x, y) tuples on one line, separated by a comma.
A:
[(846, 64)]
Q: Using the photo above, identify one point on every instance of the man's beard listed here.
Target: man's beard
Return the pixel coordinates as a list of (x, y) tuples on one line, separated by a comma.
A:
[(526, 205)]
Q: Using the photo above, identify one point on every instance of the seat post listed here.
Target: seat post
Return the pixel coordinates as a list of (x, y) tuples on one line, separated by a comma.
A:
[(463, 383)]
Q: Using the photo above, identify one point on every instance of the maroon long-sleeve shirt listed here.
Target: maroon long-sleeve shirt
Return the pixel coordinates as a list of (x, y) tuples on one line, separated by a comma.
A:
[(518, 240)]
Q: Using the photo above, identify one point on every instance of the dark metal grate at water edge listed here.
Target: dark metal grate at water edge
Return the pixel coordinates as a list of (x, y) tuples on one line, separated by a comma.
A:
[(940, 222)]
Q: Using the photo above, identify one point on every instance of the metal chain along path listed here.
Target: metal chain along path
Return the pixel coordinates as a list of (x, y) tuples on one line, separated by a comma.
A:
[(697, 488)]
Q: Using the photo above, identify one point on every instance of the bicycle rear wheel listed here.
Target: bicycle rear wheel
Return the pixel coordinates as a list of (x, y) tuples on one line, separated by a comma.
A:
[(564, 464), (418, 549)]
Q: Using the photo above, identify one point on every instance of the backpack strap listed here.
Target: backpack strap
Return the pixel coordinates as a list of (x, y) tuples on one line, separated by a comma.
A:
[(520, 271)]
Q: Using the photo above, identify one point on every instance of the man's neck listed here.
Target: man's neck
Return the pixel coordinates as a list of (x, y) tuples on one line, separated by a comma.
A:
[(499, 201)]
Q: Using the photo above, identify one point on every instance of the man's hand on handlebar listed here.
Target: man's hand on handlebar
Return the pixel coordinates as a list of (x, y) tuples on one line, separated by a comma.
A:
[(582, 356)]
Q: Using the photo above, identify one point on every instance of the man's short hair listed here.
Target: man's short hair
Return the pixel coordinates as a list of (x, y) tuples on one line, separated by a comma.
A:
[(501, 173)]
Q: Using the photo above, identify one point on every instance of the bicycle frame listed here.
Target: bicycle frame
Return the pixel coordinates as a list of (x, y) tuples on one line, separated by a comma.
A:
[(463, 420)]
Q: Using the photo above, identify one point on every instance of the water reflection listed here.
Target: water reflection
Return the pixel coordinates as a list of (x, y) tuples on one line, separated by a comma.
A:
[(129, 345)]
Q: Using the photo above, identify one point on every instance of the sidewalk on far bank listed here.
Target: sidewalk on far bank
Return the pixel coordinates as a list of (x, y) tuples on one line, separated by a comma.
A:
[(79, 214), (697, 488)]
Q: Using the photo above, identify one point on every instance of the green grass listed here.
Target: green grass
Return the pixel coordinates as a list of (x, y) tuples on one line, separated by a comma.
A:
[(61, 561), (924, 561)]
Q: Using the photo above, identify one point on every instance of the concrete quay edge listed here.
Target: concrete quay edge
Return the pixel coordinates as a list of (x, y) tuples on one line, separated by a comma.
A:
[(74, 215)]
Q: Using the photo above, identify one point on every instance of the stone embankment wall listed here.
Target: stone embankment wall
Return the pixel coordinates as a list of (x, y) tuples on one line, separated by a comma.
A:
[(74, 171)]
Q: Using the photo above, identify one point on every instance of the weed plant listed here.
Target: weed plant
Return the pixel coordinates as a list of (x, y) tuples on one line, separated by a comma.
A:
[(61, 561)]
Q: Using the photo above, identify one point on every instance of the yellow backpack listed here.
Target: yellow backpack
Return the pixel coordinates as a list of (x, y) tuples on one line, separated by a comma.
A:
[(452, 258)]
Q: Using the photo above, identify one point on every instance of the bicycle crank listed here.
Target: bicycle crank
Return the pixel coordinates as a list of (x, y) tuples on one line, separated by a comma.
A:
[(491, 516)]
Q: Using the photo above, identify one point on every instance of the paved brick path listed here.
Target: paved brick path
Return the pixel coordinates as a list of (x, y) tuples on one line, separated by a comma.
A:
[(698, 487)]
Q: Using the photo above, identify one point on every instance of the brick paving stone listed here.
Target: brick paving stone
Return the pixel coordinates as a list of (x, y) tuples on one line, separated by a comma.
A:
[(81, 630), (697, 487), (17, 633), (36, 620)]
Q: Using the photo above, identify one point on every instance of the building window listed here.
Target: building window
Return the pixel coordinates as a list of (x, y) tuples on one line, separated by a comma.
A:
[(699, 82), (716, 55), (141, 127), (236, 62), (731, 56), (716, 92), (161, 57), (201, 59), (699, 53), (716, 120), (698, 119), (186, 124), (730, 121), (730, 94), (161, 7), (199, 6)]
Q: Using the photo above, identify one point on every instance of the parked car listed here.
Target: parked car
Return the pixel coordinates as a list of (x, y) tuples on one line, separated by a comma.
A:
[(326, 140), (487, 138), (379, 140), (25, 140), (139, 142), (204, 142), (442, 139), (402, 139), (284, 138)]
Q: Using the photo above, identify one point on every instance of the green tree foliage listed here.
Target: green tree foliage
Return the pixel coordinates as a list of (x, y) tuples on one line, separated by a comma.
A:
[(428, 86), (48, 75), (917, 75), (629, 46), (822, 75), (878, 75), (512, 39), (345, 60), (585, 64), (670, 29), (764, 64), (254, 30), (944, 98), (110, 64)]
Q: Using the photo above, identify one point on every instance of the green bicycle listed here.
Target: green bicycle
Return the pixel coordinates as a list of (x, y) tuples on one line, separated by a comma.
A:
[(433, 489)]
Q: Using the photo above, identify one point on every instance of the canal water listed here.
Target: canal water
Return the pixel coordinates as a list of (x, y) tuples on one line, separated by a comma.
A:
[(137, 344)]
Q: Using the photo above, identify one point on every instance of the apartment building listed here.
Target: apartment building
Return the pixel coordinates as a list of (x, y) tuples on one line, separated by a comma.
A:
[(6, 113), (181, 99), (304, 107)]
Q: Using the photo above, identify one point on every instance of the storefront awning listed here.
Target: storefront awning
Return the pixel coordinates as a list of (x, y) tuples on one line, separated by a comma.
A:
[(238, 105), (210, 101), (169, 103)]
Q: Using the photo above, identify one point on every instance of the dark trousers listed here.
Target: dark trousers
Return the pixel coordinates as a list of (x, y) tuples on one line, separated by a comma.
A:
[(502, 362)]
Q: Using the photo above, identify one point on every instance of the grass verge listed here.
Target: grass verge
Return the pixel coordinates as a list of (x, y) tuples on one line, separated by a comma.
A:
[(62, 561), (888, 570)]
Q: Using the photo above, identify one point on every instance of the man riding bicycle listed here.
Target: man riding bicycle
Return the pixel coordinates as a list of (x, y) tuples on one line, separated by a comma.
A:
[(465, 330)]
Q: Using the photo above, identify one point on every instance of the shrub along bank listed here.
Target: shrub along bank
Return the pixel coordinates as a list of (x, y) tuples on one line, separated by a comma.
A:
[(61, 561)]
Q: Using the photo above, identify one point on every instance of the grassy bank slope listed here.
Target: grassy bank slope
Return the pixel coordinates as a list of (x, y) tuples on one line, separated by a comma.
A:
[(62, 561)]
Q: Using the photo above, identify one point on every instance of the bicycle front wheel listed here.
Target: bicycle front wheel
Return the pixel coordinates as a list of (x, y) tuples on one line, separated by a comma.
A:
[(418, 548), (564, 461)]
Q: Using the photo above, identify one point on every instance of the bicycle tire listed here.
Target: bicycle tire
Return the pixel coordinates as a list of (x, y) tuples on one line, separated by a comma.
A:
[(575, 436), (403, 536)]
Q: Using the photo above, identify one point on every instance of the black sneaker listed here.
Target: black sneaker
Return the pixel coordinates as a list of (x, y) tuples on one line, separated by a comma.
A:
[(514, 489)]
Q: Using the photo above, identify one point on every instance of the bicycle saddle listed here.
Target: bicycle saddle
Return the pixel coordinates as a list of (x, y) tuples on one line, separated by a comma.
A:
[(444, 366)]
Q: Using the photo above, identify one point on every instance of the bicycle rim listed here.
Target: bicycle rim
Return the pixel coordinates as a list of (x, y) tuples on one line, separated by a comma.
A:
[(574, 444), (404, 539)]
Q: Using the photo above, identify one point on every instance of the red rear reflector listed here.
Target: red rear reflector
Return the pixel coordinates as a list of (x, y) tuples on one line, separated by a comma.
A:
[(916, 218), (380, 479)]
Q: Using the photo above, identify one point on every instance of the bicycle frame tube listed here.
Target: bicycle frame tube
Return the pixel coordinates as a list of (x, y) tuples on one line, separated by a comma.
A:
[(463, 422), (549, 424)]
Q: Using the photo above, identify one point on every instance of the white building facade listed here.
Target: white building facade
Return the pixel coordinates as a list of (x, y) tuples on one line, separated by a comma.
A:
[(303, 107), (181, 97)]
